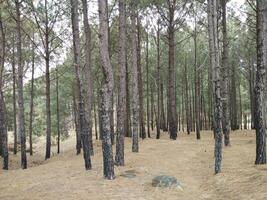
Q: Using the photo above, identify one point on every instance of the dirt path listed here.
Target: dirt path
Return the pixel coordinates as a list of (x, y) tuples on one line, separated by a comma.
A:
[(190, 161)]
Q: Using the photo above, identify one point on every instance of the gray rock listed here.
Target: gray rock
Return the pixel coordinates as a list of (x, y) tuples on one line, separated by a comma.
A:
[(165, 181)]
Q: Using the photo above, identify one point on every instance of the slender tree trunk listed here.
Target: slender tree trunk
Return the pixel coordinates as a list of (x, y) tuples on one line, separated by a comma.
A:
[(31, 100), (3, 122), (106, 92), (95, 118), (214, 56), (128, 102), (234, 123), (159, 103), (88, 60), (187, 102), (47, 80), (140, 81), (77, 124), (147, 86), (121, 111), (20, 89), (152, 106), (84, 129), (135, 99), (14, 96), (225, 78), (58, 119), (172, 116), (260, 82), (197, 86), (240, 106)]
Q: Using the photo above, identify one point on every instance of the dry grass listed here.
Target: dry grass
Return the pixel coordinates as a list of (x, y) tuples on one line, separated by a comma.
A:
[(191, 161)]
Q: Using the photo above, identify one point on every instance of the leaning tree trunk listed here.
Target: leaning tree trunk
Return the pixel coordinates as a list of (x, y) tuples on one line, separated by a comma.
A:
[(135, 99), (225, 79), (260, 82), (121, 110), (214, 56), (88, 60), (84, 129), (21, 119), (106, 92)]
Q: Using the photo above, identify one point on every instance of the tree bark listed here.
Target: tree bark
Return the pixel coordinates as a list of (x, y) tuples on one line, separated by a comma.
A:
[(140, 81), (88, 60), (31, 100), (147, 86), (106, 92), (84, 129), (3, 122), (58, 118), (14, 79), (260, 82), (214, 56), (135, 99), (172, 115), (225, 78), (21, 118), (121, 110)]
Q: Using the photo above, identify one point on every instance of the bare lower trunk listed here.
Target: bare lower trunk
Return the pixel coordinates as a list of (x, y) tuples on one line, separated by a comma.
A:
[(260, 82), (31, 101), (3, 125), (121, 110), (106, 92), (135, 99), (83, 125), (225, 80), (214, 56), (20, 90), (90, 96)]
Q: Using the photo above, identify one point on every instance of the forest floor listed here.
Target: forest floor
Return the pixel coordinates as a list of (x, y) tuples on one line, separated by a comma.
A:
[(190, 161)]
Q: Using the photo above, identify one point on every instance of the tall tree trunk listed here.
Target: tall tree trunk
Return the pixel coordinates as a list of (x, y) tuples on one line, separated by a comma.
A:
[(214, 56), (14, 79), (58, 119), (197, 88), (121, 110), (225, 78), (187, 102), (135, 99), (106, 92), (3, 123), (159, 103), (20, 89), (147, 86), (84, 129), (260, 82), (172, 116), (88, 60), (31, 100), (234, 123), (140, 81), (47, 80), (128, 102)]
